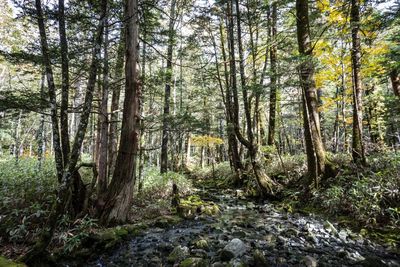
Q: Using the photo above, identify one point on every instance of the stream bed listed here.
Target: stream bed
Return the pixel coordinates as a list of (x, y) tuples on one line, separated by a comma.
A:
[(248, 234)]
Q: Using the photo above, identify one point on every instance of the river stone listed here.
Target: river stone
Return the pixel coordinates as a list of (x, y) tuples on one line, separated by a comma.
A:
[(310, 261), (259, 259), (330, 228), (178, 254), (201, 244), (194, 262), (235, 248)]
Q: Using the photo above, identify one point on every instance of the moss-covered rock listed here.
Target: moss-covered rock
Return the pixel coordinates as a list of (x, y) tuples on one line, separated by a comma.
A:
[(8, 263), (201, 244), (166, 221), (178, 254), (194, 262)]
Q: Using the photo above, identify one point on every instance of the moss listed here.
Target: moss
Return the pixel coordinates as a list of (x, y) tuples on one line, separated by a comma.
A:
[(201, 244), (8, 263), (166, 221), (194, 262)]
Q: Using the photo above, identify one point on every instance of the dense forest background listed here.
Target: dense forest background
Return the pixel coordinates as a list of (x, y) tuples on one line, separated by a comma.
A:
[(106, 105)]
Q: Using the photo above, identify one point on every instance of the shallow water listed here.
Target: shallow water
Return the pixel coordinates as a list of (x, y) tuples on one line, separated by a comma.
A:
[(283, 238)]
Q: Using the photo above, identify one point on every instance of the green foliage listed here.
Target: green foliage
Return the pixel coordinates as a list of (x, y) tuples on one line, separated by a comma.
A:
[(26, 194), (370, 196), (159, 186), (76, 232)]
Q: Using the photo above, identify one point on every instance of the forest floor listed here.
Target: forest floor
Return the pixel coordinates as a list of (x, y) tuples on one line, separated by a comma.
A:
[(247, 233), (352, 220)]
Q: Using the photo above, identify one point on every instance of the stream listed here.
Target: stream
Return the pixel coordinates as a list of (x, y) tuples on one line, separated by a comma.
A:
[(249, 234)]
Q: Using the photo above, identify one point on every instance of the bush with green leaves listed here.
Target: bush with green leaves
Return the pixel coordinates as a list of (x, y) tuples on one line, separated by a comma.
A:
[(159, 186), (26, 194), (370, 195)]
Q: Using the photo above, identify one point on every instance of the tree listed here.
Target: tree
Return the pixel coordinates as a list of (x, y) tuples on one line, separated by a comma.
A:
[(314, 147), (357, 143), (167, 94), (118, 200)]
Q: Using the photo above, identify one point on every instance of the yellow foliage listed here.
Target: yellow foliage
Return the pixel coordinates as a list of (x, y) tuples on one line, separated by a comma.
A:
[(206, 140)]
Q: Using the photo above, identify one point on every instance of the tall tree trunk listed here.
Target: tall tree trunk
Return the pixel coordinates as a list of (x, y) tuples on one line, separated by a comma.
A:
[(51, 91), (102, 180), (314, 146), (357, 143), (65, 147), (273, 86), (113, 138), (119, 195), (167, 94)]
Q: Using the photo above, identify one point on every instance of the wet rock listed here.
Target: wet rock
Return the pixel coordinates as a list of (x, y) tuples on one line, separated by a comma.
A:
[(372, 262), (309, 261), (235, 248), (155, 262), (178, 254), (194, 262), (330, 228), (199, 253), (259, 259), (201, 244)]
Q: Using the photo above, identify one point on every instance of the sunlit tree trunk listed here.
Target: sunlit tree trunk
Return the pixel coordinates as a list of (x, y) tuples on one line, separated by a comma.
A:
[(357, 143), (120, 192), (314, 146)]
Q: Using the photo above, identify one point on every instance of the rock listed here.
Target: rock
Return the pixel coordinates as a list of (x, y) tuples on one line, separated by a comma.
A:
[(201, 244), (199, 253), (343, 235), (330, 228), (235, 248), (178, 254), (372, 262), (259, 259), (194, 262), (155, 261), (310, 261)]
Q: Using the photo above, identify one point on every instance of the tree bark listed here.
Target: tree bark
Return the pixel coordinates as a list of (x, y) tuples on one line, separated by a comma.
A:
[(65, 147), (314, 146), (119, 197), (167, 94), (357, 143), (113, 137), (102, 180), (395, 79), (273, 86)]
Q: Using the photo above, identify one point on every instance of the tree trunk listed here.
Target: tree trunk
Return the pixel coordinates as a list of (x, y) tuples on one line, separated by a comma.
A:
[(273, 86), (314, 146), (65, 147), (395, 79), (119, 195), (102, 180), (113, 137), (67, 175), (167, 94), (357, 143)]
